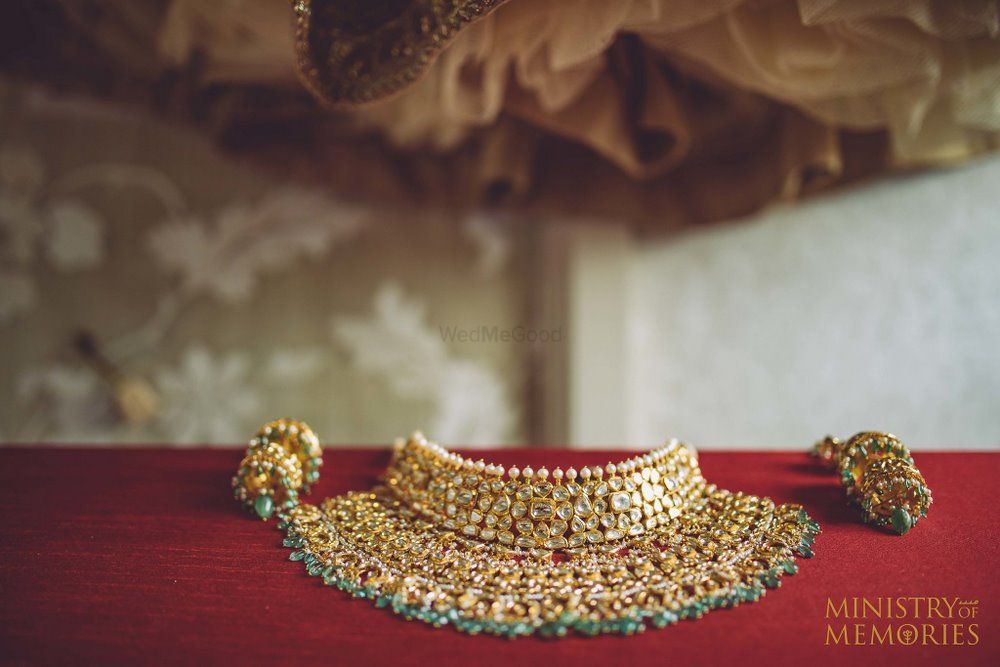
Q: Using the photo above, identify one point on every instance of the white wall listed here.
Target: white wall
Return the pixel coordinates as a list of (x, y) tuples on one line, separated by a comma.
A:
[(877, 308)]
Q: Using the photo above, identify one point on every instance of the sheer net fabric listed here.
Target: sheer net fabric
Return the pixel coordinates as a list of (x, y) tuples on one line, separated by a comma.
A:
[(926, 72), (790, 96)]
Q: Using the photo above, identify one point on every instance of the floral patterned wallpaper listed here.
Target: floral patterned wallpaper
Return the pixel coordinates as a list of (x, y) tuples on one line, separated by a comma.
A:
[(153, 289)]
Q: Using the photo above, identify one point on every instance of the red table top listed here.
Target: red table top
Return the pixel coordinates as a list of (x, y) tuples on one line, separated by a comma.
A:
[(139, 555)]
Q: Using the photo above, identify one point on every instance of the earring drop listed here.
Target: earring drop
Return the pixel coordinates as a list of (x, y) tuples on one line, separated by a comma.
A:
[(282, 460), (878, 473)]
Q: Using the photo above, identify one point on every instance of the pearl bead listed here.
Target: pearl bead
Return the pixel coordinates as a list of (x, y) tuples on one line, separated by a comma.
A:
[(611, 468), (585, 473), (528, 472), (571, 474), (557, 474), (480, 465), (514, 472), (543, 473)]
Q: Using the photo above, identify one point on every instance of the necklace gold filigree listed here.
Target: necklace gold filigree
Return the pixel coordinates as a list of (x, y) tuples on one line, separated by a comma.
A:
[(512, 552)]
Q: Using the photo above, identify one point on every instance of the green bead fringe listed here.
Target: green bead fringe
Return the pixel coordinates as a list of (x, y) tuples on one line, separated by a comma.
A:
[(632, 622)]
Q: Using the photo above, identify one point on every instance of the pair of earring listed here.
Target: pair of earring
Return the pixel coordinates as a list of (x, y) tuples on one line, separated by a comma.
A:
[(878, 473)]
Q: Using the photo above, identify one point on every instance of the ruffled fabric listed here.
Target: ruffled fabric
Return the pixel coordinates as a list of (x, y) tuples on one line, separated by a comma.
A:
[(703, 109), (926, 72)]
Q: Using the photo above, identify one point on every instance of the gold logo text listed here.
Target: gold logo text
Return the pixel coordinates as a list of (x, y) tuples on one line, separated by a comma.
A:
[(901, 621)]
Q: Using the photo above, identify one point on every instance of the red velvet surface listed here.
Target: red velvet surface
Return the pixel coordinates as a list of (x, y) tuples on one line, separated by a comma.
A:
[(111, 556)]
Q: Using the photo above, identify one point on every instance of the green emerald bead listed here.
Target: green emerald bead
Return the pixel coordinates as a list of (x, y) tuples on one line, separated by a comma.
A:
[(264, 507), (901, 521)]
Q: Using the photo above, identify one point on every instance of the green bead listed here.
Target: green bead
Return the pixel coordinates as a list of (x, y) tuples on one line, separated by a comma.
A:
[(901, 521), (264, 506)]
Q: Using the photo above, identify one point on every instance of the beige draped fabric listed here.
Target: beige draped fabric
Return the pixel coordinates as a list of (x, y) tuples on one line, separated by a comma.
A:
[(926, 72), (694, 109)]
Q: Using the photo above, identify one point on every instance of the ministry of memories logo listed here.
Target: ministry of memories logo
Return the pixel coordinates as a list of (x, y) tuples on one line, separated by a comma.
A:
[(902, 621)]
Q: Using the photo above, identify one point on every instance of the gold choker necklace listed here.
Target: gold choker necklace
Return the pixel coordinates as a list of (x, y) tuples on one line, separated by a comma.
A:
[(513, 552), (567, 511)]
